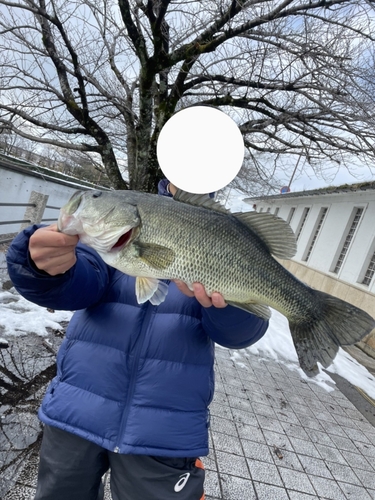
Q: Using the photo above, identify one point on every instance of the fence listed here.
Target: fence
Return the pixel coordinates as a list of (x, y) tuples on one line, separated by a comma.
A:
[(33, 215)]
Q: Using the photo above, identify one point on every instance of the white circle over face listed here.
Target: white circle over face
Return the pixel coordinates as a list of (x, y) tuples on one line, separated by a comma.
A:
[(200, 149)]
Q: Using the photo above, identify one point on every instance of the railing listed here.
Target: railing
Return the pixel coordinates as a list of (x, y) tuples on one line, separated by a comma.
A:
[(8, 222), (35, 209)]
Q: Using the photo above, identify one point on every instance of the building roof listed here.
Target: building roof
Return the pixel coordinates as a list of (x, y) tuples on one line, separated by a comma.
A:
[(345, 188)]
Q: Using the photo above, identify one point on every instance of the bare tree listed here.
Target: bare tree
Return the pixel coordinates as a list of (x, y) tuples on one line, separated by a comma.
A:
[(103, 77)]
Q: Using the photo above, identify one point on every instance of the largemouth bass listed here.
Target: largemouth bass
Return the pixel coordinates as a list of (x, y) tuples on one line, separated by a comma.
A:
[(194, 239)]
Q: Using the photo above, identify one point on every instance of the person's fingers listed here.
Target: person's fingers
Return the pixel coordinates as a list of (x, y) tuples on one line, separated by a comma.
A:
[(201, 295), (50, 237), (199, 292), (52, 251), (218, 300), (184, 288), (57, 265)]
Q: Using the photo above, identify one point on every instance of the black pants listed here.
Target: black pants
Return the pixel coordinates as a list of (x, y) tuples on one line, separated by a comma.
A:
[(71, 469)]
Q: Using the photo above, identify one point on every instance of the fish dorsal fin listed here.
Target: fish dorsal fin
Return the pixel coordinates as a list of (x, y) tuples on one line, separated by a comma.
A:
[(273, 231), (200, 200)]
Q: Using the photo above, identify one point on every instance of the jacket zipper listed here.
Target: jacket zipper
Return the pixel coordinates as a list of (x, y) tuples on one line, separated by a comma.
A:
[(134, 374)]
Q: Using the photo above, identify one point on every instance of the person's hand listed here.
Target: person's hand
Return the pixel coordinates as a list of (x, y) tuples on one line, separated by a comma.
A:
[(52, 251), (200, 294)]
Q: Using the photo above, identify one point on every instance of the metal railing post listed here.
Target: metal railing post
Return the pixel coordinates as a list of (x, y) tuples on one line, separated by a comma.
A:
[(35, 212)]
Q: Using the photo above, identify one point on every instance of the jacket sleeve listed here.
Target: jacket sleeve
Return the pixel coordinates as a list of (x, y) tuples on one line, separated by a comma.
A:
[(232, 327), (80, 287)]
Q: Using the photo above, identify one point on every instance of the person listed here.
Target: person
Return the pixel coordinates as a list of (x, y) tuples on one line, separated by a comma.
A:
[(134, 381)]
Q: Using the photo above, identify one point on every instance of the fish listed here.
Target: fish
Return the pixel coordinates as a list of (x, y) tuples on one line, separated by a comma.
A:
[(193, 238)]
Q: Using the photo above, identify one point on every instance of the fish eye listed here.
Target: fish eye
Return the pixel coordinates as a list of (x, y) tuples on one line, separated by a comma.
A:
[(97, 194)]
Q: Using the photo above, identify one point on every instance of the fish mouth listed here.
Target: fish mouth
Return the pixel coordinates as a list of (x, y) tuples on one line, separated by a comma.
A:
[(123, 240)]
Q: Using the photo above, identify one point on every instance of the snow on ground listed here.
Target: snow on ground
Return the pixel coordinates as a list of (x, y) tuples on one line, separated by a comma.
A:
[(18, 316)]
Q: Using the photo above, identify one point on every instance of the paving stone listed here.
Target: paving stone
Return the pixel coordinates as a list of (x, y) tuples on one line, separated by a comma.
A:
[(310, 423), (264, 472), (315, 466), (224, 442), (303, 447), (232, 464), (221, 410), (250, 432), (318, 437), (287, 459), (237, 488), (297, 495), (295, 431), (356, 435), (366, 477), (298, 481), (242, 416), (327, 488), (287, 416), (212, 484), (359, 461), (267, 492), (257, 451), (343, 473), (344, 443), (241, 403), (257, 397), (263, 409), (277, 439), (355, 492), (223, 425), (334, 430), (330, 454), (270, 424)]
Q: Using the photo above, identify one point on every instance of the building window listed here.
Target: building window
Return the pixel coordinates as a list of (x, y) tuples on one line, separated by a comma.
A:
[(321, 217), (290, 216), (370, 271), (302, 222), (261, 209), (357, 217), (276, 211), (268, 210)]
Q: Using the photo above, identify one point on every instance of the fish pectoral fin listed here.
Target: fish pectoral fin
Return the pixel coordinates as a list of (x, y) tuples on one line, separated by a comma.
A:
[(155, 256), (259, 310), (150, 289)]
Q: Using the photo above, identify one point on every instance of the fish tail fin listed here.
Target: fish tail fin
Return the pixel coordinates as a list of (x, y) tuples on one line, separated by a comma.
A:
[(336, 323)]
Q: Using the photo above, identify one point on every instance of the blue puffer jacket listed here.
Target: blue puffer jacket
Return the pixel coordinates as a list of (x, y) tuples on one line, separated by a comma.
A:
[(132, 378)]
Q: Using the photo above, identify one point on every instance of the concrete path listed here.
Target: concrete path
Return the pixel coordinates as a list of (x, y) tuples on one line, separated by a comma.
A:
[(275, 437)]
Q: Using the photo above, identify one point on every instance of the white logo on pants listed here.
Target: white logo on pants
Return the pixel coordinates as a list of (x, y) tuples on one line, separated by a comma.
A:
[(181, 482)]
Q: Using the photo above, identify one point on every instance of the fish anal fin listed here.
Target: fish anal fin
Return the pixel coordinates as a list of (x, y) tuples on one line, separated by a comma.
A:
[(259, 310), (275, 232), (155, 256), (150, 289)]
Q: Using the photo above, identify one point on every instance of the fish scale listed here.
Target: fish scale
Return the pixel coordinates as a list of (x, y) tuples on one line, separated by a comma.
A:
[(194, 239)]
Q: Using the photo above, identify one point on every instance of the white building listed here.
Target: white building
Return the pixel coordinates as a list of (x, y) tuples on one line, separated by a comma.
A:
[(335, 231)]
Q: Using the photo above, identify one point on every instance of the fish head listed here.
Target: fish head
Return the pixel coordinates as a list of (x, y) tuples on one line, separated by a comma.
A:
[(101, 219)]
